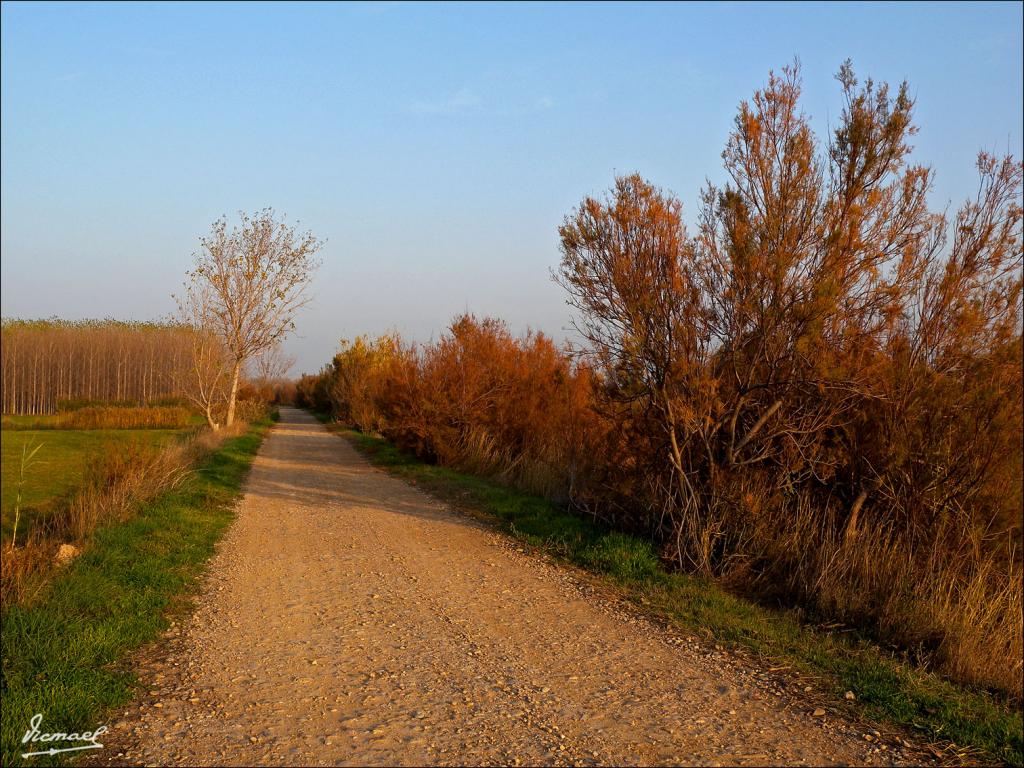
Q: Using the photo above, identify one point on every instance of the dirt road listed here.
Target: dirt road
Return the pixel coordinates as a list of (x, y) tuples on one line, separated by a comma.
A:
[(350, 619)]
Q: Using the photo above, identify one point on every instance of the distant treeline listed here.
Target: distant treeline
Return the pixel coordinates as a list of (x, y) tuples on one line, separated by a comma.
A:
[(48, 361)]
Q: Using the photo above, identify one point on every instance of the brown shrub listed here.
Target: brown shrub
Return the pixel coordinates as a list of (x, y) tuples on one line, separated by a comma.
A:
[(253, 402), (820, 392), (311, 390), (478, 399), (359, 374), (816, 398), (23, 568), (151, 417), (116, 481)]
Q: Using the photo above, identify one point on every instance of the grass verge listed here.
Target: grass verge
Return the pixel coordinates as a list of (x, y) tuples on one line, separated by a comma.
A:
[(962, 723), (64, 655), (58, 466)]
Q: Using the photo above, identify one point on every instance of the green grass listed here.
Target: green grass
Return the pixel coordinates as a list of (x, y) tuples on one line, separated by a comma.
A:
[(58, 465), (887, 689), (27, 421), (65, 655)]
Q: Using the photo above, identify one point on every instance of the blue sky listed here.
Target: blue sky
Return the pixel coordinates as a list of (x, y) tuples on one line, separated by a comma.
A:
[(435, 147)]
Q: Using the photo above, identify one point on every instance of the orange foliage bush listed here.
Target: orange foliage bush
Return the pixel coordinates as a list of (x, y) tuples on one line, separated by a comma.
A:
[(480, 399), (311, 390), (816, 397), (518, 409), (821, 388), (362, 369)]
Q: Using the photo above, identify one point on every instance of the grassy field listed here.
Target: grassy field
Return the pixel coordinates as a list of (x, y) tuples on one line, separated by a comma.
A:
[(57, 467), (961, 723), (26, 421), (65, 655)]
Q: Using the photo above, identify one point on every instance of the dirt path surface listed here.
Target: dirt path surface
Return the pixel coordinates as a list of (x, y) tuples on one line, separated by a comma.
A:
[(350, 619)]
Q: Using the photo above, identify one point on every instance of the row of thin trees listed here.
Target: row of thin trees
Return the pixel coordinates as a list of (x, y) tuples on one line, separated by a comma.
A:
[(238, 305), (45, 362)]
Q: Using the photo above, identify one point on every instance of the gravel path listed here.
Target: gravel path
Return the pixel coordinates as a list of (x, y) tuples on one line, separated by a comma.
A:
[(350, 619)]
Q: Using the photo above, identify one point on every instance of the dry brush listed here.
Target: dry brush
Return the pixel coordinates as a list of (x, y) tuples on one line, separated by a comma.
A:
[(815, 396)]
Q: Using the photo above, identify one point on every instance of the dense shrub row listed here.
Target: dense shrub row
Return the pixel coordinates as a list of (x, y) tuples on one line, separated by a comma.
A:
[(525, 412), (480, 399), (815, 397), (78, 403), (107, 417)]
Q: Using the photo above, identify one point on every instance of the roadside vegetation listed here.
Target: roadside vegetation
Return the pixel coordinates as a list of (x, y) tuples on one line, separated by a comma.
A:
[(58, 466), (110, 485), (958, 722), (123, 445), (813, 400), (221, 356), (66, 651), (106, 417)]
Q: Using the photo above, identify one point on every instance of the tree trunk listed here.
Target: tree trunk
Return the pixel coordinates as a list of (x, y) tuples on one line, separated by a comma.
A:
[(210, 420), (756, 428), (236, 371)]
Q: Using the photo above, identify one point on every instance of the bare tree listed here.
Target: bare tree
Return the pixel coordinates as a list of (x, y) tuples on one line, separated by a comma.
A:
[(256, 275), (271, 365), (204, 381)]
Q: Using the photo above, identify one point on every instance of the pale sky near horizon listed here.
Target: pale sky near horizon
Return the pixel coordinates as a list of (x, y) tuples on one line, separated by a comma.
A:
[(435, 147)]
